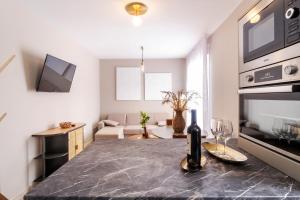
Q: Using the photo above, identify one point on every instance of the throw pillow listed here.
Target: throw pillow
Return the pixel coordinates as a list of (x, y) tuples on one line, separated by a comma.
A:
[(161, 123), (110, 123)]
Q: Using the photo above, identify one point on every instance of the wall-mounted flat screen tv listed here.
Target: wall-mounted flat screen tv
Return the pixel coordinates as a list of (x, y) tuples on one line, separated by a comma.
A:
[(57, 75)]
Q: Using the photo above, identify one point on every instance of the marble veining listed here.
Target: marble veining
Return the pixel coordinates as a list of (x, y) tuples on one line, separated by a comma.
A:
[(149, 169)]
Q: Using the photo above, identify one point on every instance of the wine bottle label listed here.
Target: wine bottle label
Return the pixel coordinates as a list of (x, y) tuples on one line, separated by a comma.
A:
[(189, 144)]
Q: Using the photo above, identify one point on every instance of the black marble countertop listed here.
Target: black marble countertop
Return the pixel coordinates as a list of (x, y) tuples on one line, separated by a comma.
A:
[(150, 169)]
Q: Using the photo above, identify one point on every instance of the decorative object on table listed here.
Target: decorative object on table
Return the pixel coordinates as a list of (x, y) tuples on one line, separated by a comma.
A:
[(216, 129), (179, 103), (184, 164), (226, 135), (144, 119), (194, 144), (169, 122), (65, 124), (179, 123), (231, 155), (6, 62)]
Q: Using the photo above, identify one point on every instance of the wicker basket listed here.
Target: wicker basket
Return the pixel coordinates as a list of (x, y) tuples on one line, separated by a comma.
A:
[(65, 124)]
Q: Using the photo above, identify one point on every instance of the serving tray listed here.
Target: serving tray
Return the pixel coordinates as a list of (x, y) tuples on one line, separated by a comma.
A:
[(184, 166), (230, 155)]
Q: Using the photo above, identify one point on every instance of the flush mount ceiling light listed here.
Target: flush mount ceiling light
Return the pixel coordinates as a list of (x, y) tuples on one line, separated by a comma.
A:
[(255, 19), (136, 9)]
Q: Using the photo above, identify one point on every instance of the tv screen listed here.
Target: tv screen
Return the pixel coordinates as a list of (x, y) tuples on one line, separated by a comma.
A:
[(57, 75)]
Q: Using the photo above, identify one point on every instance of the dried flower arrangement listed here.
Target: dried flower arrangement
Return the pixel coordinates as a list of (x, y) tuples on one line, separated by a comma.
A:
[(179, 101)]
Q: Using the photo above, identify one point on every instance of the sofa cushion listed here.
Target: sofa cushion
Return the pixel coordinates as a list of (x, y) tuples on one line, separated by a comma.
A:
[(151, 127), (110, 131), (118, 117), (162, 123), (152, 119), (133, 129), (133, 119), (108, 122), (137, 129), (100, 125), (161, 116)]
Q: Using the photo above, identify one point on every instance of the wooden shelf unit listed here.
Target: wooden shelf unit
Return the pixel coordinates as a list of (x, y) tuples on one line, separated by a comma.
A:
[(58, 147)]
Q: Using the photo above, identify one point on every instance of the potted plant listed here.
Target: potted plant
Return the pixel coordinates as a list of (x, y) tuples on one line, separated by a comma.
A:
[(144, 119), (179, 103)]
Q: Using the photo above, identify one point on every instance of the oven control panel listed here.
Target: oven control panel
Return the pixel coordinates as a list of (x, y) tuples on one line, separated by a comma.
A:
[(269, 74), (287, 71), (292, 22)]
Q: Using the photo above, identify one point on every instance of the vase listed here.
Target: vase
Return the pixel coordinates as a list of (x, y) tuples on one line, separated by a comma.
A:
[(145, 134), (178, 122)]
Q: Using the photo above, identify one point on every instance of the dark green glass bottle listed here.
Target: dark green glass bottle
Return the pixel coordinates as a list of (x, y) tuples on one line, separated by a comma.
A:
[(194, 144)]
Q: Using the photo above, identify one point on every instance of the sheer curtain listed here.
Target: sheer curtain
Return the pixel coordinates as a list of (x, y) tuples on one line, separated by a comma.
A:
[(198, 79)]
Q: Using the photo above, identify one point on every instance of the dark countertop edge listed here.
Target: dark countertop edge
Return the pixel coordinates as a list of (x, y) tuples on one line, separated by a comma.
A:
[(26, 197)]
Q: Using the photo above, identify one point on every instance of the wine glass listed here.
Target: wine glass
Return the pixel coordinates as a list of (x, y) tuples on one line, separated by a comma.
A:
[(216, 129), (291, 130), (277, 128), (227, 130)]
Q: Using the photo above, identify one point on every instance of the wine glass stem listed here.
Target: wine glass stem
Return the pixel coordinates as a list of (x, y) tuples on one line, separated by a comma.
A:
[(217, 138)]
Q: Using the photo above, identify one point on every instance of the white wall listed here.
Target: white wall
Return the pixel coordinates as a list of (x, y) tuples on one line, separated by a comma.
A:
[(109, 104), (224, 62), (29, 111)]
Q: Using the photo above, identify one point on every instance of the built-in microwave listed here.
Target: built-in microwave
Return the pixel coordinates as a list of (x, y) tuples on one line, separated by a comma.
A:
[(269, 33)]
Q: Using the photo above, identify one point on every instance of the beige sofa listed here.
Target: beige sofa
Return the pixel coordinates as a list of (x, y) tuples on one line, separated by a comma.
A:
[(129, 124)]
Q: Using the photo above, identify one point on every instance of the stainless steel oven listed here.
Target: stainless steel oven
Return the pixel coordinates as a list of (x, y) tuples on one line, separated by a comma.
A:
[(270, 108), (269, 33)]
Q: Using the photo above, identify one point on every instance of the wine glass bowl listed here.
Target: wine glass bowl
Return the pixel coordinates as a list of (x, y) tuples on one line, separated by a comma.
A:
[(227, 130), (285, 129), (277, 127), (216, 129)]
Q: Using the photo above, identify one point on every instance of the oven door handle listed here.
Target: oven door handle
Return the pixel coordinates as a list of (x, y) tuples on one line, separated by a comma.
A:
[(274, 89)]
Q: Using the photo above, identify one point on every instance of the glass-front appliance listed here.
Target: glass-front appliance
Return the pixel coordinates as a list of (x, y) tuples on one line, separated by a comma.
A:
[(270, 107), (269, 33)]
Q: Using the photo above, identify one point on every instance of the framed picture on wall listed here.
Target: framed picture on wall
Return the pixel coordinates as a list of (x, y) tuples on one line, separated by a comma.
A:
[(128, 83), (155, 83)]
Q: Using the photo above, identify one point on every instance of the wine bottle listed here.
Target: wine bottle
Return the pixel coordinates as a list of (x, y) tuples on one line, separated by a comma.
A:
[(194, 144)]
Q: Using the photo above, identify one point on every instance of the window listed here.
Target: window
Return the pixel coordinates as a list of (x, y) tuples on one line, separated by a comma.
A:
[(198, 79)]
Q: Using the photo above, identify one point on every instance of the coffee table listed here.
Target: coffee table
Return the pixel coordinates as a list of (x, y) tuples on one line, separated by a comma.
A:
[(167, 132)]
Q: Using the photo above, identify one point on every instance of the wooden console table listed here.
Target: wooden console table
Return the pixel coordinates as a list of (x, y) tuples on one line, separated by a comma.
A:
[(58, 147)]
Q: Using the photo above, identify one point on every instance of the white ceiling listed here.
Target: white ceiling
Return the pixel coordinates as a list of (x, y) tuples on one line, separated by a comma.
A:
[(170, 28)]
